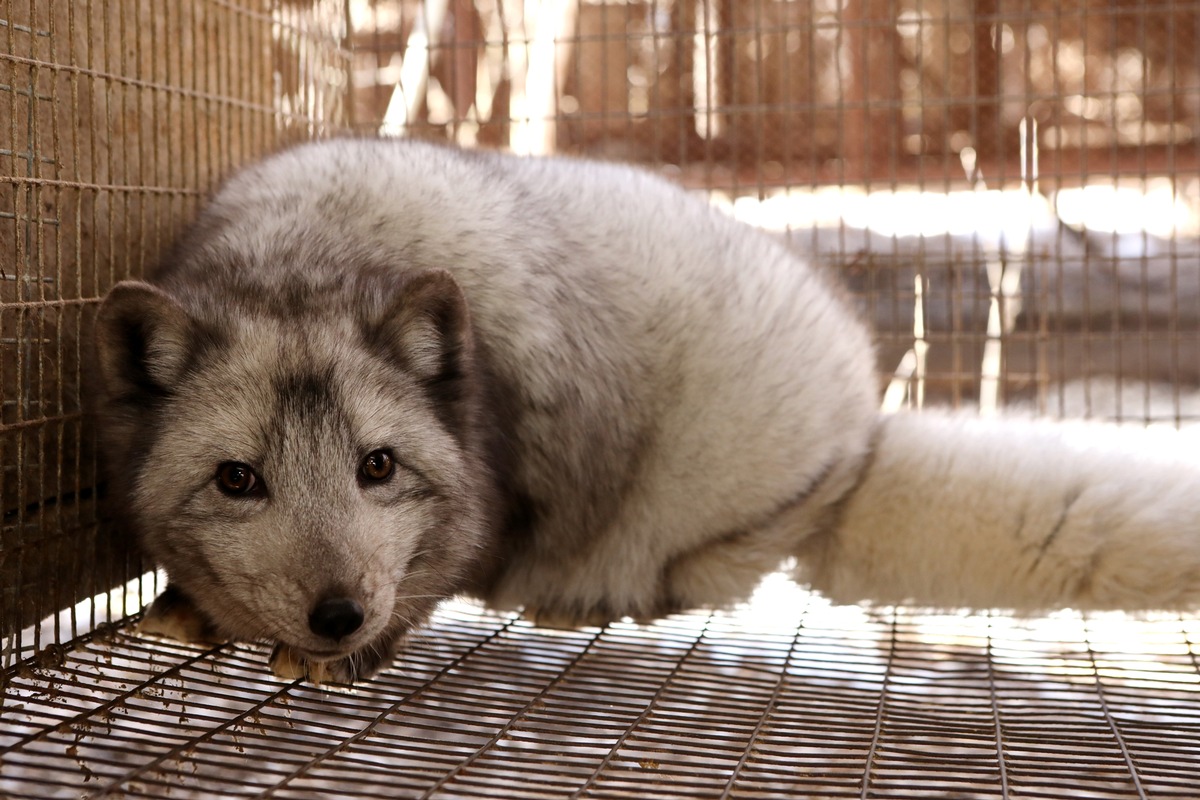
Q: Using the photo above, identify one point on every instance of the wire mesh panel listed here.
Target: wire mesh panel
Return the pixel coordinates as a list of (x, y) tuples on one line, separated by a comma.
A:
[(861, 91), (1011, 191), (1010, 188), (789, 697), (115, 118)]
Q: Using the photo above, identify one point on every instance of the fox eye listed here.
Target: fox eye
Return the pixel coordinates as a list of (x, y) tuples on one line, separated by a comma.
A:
[(377, 466), (237, 479)]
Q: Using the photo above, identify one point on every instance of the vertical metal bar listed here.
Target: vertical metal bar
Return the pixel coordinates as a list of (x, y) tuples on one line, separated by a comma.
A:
[(985, 101)]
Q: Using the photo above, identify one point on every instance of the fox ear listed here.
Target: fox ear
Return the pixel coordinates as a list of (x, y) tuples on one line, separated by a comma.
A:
[(428, 330), (142, 338)]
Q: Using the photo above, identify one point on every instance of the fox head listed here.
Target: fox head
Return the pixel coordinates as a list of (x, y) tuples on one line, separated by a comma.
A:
[(306, 473)]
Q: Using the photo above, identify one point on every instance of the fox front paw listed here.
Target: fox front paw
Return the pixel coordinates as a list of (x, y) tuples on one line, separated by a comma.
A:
[(562, 619), (173, 616), (289, 665)]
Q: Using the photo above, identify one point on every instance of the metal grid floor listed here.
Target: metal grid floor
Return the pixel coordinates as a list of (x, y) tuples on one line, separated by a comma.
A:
[(789, 697)]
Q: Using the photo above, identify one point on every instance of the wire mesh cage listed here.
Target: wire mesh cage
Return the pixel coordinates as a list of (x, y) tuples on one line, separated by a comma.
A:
[(118, 118), (1011, 192)]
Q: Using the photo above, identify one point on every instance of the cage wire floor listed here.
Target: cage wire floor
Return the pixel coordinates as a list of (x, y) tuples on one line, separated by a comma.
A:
[(786, 697)]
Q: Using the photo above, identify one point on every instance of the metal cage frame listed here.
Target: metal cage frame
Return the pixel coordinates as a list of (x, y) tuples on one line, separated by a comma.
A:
[(117, 118)]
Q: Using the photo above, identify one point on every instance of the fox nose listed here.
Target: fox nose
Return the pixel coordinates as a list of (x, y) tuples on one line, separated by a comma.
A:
[(336, 617)]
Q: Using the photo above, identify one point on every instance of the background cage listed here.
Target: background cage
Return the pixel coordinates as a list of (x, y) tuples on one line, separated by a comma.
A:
[(1010, 190)]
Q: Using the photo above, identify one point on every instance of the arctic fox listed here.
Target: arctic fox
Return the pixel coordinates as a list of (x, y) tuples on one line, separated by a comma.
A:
[(376, 374)]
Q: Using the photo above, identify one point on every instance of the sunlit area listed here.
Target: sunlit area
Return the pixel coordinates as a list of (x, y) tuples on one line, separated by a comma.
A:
[(1159, 209)]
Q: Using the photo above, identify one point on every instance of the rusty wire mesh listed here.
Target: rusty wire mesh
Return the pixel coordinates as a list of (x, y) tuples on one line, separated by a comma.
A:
[(945, 156), (115, 119), (789, 698), (1040, 159)]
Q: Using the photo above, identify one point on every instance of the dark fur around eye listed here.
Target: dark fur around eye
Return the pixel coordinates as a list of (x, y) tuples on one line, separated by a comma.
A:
[(238, 480), (377, 466)]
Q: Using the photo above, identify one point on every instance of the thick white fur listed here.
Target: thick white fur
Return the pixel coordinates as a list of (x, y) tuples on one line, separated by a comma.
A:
[(1018, 513), (609, 290), (687, 405)]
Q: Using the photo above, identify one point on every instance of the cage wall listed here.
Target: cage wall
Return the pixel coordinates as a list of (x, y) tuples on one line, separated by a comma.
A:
[(115, 119), (1009, 187)]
